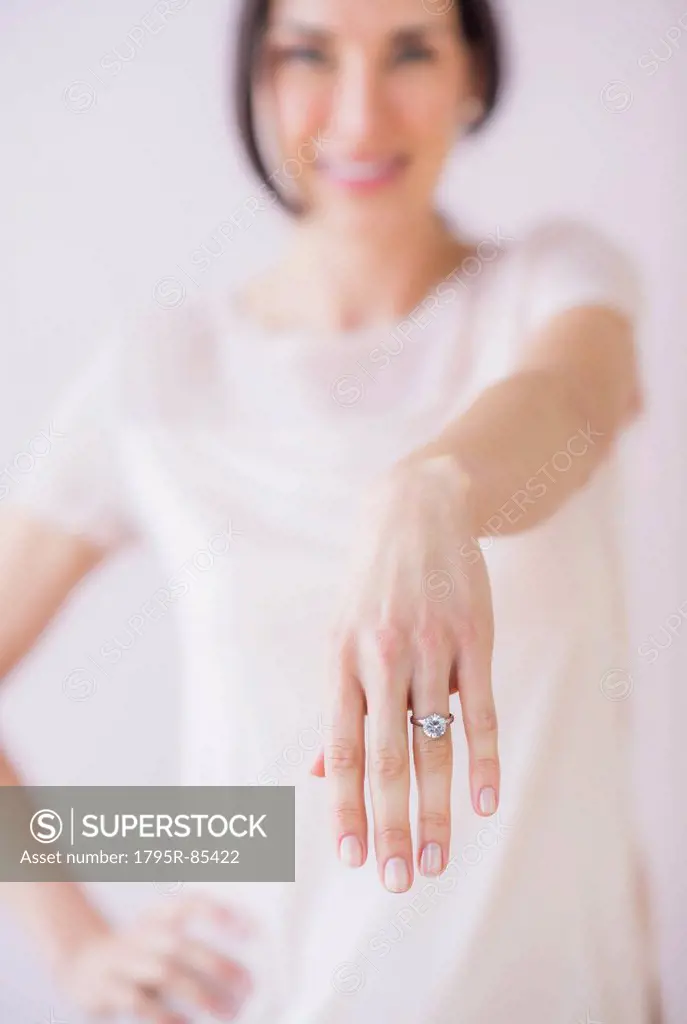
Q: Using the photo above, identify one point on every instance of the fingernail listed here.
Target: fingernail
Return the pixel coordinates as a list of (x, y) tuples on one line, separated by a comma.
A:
[(430, 862), (396, 874), (487, 800), (351, 851)]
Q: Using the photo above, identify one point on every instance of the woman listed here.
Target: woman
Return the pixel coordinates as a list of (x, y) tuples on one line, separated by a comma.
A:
[(411, 435)]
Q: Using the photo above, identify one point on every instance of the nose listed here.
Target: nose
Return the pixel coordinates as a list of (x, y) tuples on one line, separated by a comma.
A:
[(357, 103)]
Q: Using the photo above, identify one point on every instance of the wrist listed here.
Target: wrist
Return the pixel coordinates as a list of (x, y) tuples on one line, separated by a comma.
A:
[(457, 481), (79, 923)]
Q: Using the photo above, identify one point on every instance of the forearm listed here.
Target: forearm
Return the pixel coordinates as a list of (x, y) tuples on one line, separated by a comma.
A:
[(524, 446), (58, 915)]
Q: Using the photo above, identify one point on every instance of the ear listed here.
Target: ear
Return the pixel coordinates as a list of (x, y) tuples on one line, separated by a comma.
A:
[(470, 111)]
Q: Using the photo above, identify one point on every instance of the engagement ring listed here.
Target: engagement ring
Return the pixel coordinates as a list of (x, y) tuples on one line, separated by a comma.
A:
[(433, 725)]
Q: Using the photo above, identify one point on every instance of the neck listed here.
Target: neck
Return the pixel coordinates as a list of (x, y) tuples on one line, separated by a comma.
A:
[(356, 279)]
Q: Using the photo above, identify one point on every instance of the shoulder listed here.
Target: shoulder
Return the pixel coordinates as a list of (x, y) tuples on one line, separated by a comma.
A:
[(566, 262), (169, 358), (577, 242), (167, 325), (550, 268)]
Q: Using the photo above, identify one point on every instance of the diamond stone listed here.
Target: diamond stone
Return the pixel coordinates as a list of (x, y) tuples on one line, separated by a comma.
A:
[(434, 726)]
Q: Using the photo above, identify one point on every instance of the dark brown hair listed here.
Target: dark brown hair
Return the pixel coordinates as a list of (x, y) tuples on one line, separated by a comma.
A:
[(477, 23)]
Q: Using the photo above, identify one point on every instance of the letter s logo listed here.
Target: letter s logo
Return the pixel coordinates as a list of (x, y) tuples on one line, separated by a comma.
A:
[(46, 826)]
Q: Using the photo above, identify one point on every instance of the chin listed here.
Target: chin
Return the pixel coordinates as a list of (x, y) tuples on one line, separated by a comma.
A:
[(384, 208)]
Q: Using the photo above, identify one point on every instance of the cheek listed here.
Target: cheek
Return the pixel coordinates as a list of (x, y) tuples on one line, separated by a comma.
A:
[(301, 107), (426, 114)]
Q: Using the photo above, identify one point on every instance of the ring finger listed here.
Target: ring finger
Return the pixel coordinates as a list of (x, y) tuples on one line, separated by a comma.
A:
[(433, 756)]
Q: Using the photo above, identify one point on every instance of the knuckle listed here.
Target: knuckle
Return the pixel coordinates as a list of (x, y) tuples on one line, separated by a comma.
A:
[(388, 765), (435, 820), (346, 813), (435, 651), (388, 640), (481, 721), (345, 756), (340, 658), (466, 629), (435, 755), (486, 765), (392, 835), (428, 637), (162, 971)]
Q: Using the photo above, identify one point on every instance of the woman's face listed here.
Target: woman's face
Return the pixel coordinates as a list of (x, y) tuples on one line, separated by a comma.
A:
[(364, 98)]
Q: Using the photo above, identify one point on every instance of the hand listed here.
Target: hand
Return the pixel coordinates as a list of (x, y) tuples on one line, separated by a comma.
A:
[(417, 616), (146, 968)]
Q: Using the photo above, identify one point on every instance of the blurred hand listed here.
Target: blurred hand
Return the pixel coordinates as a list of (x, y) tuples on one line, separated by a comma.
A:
[(152, 967), (417, 616)]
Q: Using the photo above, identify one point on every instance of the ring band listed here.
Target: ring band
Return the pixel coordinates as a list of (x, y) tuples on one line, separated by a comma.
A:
[(433, 725)]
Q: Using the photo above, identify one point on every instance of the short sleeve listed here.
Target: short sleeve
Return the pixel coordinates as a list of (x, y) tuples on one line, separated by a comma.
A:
[(555, 267), (71, 474), (569, 263)]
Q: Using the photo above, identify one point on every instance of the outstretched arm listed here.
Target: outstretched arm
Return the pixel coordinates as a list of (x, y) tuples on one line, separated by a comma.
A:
[(508, 462), (531, 440)]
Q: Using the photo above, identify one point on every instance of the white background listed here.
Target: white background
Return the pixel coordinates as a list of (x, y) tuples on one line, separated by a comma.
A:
[(108, 184)]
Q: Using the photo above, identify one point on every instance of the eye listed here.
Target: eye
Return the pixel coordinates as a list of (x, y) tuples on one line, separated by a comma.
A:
[(307, 54), (411, 52)]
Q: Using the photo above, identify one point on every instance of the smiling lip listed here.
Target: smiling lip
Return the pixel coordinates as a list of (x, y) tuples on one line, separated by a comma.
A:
[(362, 175)]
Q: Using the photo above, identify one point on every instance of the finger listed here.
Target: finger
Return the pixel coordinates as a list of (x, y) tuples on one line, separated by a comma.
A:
[(198, 908), (229, 983), (479, 719), (167, 978), (198, 952), (166, 954), (144, 1005), (318, 769), (344, 761), (433, 757), (221, 992), (387, 673), (318, 766), (205, 961)]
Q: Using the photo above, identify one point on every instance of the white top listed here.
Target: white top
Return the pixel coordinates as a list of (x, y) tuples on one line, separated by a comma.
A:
[(241, 454)]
